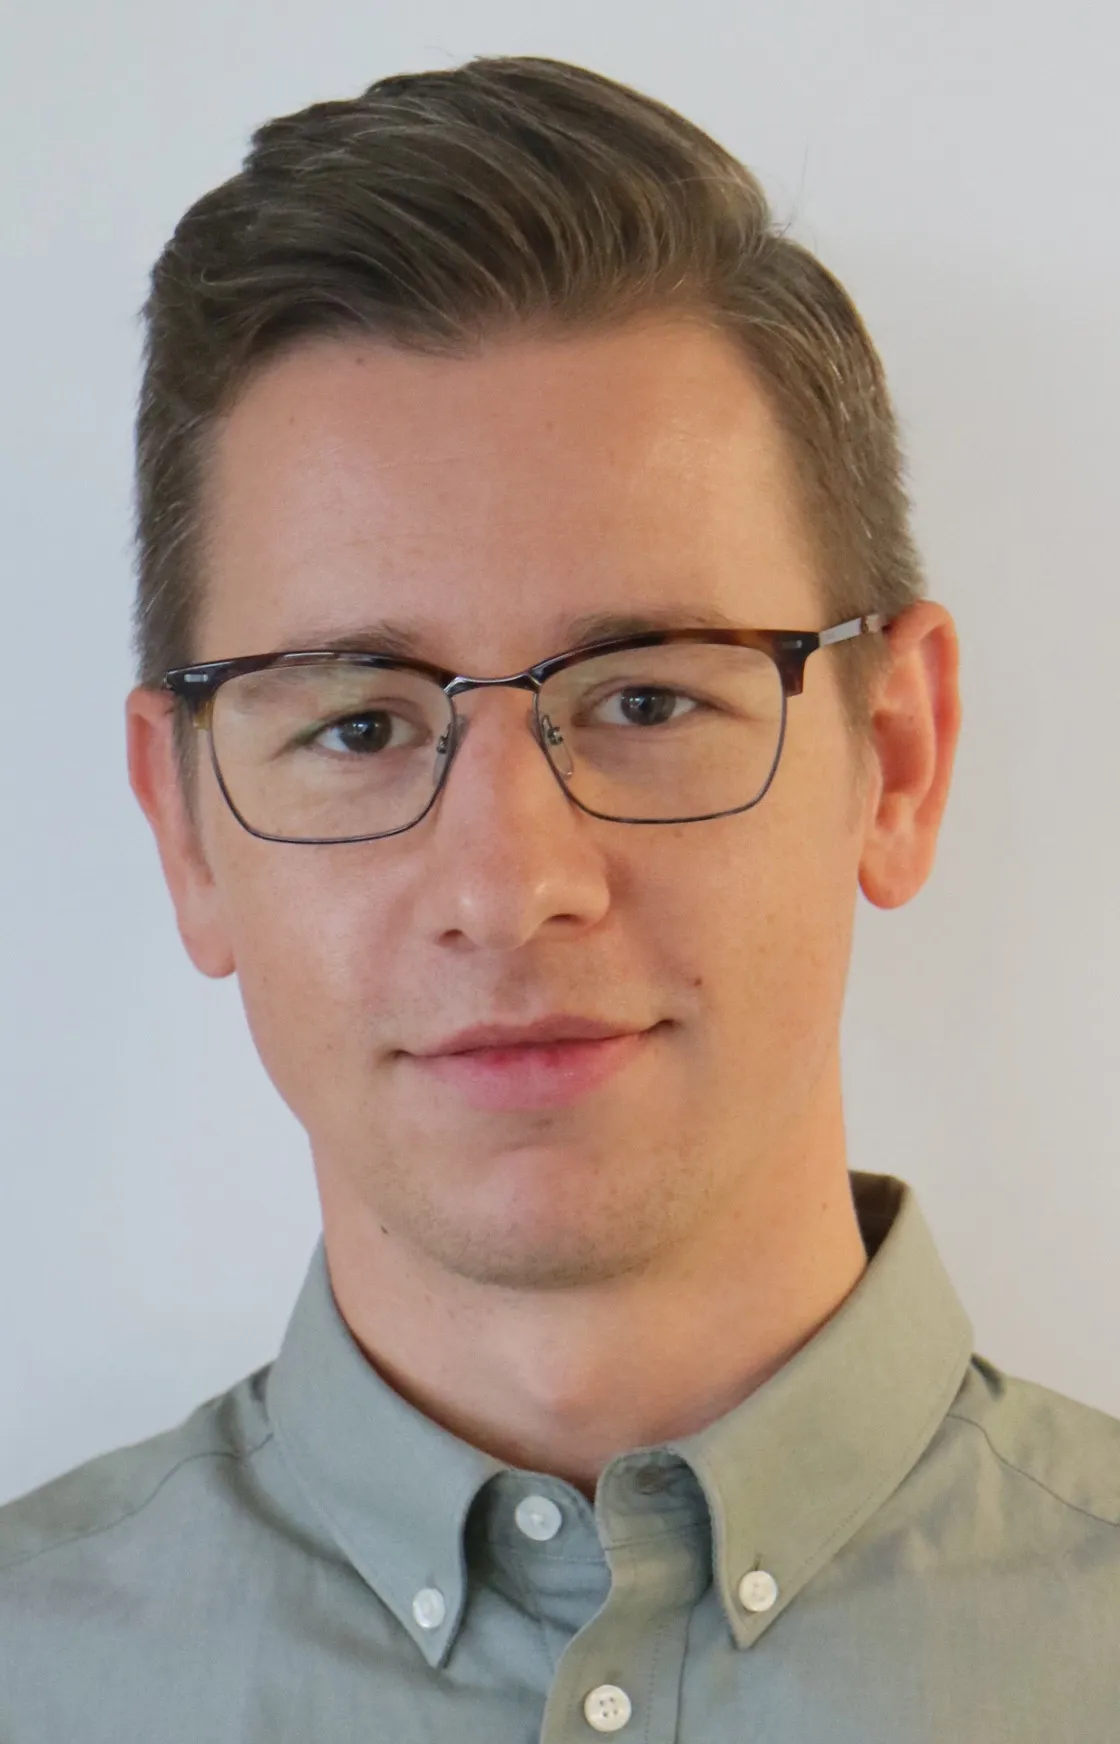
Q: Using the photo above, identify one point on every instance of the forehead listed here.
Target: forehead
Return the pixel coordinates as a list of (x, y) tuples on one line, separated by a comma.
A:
[(486, 501)]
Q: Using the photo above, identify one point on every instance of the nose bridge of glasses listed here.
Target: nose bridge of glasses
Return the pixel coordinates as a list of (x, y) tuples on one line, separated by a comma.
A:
[(462, 684), (516, 681)]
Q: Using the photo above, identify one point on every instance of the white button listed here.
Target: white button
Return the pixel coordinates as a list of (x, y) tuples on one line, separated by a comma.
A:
[(757, 1590), (607, 1708), (428, 1608), (538, 1517)]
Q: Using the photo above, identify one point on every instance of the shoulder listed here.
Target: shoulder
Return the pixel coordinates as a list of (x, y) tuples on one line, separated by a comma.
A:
[(1065, 1448), (203, 1452)]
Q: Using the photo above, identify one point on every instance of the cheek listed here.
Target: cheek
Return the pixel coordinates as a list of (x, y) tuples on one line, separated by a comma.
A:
[(316, 959), (759, 920)]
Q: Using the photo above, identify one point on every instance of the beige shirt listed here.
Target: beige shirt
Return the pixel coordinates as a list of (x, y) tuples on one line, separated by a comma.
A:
[(889, 1542)]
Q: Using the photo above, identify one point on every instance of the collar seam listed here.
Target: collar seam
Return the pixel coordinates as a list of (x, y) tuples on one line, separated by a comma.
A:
[(244, 1454), (1102, 1519)]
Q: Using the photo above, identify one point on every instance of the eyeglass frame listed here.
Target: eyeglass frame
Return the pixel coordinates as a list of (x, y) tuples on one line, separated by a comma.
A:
[(197, 687)]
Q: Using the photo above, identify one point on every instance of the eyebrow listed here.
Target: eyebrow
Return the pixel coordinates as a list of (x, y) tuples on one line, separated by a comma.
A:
[(409, 641)]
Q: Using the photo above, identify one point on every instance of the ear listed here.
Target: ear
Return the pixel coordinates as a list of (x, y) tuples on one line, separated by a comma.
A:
[(154, 777), (915, 723)]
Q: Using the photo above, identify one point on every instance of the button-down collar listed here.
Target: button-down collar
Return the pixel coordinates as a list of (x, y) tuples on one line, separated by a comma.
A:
[(788, 1476)]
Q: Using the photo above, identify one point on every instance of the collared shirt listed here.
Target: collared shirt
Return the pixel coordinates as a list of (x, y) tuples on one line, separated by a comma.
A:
[(889, 1542)]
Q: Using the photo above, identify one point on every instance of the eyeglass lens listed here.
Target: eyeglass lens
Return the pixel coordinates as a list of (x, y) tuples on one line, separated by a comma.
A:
[(340, 751)]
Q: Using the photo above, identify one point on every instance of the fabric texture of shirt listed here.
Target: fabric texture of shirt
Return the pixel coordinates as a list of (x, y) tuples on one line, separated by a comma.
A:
[(889, 1542)]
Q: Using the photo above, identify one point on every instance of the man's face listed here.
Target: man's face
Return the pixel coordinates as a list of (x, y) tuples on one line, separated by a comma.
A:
[(487, 503)]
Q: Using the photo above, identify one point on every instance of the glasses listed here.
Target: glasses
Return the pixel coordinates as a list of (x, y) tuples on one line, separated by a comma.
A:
[(672, 726)]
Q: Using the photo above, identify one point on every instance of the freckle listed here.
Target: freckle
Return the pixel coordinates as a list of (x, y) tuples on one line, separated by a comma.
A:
[(699, 981)]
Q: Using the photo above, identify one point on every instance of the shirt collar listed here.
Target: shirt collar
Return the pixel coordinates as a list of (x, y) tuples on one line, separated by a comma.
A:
[(789, 1474), (792, 1472)]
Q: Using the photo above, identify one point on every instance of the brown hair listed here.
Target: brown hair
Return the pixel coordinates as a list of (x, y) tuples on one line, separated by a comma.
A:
[(440, 208)]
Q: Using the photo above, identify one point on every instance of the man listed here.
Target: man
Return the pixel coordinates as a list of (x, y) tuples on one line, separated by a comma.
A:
[(534, 664)]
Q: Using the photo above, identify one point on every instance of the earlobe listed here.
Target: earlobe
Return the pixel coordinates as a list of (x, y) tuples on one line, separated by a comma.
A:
[(154, 778), (890, 873), (915, 726)]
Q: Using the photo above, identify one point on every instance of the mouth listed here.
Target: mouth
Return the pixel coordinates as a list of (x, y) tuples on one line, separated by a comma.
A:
[(540, 1065)]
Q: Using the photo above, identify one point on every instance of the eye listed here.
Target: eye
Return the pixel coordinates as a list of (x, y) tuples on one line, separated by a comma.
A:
[(645, 705), (363, 734)]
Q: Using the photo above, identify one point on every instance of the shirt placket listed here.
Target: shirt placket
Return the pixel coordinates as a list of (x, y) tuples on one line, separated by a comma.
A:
[(621, 1672)]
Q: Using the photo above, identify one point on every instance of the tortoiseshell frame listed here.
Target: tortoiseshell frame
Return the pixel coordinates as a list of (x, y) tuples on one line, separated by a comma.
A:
[(198, 685)]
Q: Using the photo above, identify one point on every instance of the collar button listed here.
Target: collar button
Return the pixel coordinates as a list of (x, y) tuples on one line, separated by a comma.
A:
[(758, 1590), (538, 1517), (429, 1607)]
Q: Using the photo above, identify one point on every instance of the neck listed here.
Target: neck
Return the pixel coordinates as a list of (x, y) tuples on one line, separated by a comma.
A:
[(560, 1382)]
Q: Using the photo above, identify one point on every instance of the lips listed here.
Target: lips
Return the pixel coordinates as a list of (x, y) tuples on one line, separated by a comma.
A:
[(509, 1068), (542, 1033)]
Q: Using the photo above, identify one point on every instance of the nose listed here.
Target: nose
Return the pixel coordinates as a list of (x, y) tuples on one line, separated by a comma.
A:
[(507, 854)]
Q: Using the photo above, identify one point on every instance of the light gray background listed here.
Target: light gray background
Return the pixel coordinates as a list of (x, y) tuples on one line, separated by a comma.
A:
[(956, 162)]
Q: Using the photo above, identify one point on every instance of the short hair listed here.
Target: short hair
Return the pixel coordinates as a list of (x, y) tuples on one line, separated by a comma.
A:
[(440, 209)]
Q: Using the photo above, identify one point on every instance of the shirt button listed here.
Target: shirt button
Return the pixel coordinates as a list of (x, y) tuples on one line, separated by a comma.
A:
[(757, 1590), (607, 1708), (428, 1608), (538, 1517)]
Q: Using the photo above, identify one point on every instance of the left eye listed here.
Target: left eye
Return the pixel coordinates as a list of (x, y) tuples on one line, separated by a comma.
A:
[(648, 706)]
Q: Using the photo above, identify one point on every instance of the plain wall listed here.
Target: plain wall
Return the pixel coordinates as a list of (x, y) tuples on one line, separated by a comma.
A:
[(957, 164)]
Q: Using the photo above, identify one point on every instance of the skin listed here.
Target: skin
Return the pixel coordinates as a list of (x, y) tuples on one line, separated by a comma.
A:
[(556, 1286)]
